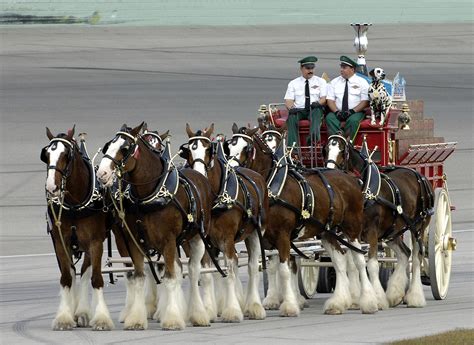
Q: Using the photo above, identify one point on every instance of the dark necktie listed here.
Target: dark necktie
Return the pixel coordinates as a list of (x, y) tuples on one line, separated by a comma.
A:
[(307, 96), (345, 99)]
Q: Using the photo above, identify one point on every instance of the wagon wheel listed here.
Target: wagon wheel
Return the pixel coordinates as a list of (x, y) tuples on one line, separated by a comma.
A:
[(327, 278), (307, 278), (440, 245)]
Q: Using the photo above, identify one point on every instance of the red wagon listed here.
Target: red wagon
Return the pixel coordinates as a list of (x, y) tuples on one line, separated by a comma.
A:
[(415, 148)]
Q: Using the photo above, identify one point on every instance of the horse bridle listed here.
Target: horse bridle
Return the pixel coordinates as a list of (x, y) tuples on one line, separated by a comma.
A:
[(344, 151), (67, 171), (249, 150), (130, 150)]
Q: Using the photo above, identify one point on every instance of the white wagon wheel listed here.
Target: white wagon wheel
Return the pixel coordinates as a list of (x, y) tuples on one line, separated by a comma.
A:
[(440, 245), (307, 277)]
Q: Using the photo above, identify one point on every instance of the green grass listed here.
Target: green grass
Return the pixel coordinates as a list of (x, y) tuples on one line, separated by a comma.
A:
[(461, 336)]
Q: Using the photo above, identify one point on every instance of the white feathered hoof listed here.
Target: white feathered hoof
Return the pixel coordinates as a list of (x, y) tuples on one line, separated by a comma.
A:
[(394, 296), (63, 322), (199, 320), (133, 324), (302, 302), (354, 306), (150, 310), (255, 311), (232, 315), (173, 323), (82, 319), (211, 313), (382, 302), (270, 303), (123, 314), (415, 299), (369, 307), (334, 307), (289, 310), (102, 323)]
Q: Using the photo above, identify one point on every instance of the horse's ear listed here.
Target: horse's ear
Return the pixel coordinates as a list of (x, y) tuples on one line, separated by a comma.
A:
[(123, 128), (209, 131), (137, 129), (49, 134), (165, 135), (70, 132), (145, 127), (189, 131), (235, 128)]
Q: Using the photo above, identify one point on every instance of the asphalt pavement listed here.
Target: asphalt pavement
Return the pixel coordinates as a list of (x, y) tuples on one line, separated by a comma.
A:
[(101, 77)]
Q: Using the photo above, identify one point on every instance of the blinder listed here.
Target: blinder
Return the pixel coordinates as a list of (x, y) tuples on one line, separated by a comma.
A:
[(43, 157), (184, 151)]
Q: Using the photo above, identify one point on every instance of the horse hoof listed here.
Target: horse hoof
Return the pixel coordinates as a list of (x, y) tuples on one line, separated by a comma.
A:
[(200, 320), (135, 327), (271, 304), (63, 323), (232, 316), (82, 320), (333, 311), (173, 326), (255, 312), (103, 326), (289, 310)]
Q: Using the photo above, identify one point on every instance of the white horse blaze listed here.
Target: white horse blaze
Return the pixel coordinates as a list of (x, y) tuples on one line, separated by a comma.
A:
[(271, 142), (236, 151), (198, 153), (333, 152), (105, 172), (54, 154)]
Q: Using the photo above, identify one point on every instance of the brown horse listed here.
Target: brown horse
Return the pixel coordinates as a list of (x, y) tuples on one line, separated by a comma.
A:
[(304, 204), (398, 201), (78, 225), (163, 208), (156, 140), (240, 208)]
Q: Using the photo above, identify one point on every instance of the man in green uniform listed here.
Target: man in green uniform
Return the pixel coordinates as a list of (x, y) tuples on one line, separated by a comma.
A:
[(305, 98)]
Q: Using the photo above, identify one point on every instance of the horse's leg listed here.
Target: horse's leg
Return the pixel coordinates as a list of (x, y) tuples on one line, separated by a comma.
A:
[(135, 309), (197, 314), (373, 269), (272, 300), (294, 283), (232, 311), (289, 305), (341, 299), (64, 319), (151, 295), (172, 305), (253, 305), (368, 299), (208, 291), (415, 297), (239, 290), (354, 282), (82, 315), (122, 249), (398, 281), (101, 320)]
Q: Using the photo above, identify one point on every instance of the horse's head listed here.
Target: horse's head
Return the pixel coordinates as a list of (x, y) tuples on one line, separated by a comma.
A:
[(154, 138), (119, 153), (336, 152), (273, 135), (200, 150), (58, 155), (240, 146)]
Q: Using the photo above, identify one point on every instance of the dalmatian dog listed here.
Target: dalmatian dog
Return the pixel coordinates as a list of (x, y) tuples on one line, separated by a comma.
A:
[(380, 100)]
